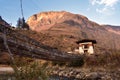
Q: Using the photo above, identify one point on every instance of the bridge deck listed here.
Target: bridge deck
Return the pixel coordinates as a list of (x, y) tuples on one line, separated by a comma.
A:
[(23, 45)]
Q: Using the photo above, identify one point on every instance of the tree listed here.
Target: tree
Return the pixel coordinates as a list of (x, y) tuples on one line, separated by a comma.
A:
[(22, 24), (19, 23)]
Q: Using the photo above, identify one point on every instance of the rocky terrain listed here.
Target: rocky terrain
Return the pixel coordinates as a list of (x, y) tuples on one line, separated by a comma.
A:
[(86, 73)]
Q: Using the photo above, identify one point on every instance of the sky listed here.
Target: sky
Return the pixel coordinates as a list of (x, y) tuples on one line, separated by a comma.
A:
[(100, 11)]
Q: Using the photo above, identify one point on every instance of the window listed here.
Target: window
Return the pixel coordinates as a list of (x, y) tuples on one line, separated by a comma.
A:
[(86, 46)]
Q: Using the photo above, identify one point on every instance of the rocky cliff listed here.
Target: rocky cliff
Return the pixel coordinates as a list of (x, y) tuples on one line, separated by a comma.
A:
[(45, 20)]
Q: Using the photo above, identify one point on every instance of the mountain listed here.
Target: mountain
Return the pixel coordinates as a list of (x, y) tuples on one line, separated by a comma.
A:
[(45, 20), (61, 29)]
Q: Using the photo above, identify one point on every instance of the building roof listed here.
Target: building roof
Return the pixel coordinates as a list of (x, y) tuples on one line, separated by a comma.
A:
[(3, 22), (86, 40), (0, 18)]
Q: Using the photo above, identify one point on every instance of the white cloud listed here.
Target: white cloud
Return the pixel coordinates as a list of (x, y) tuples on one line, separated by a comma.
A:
[(106, 10), (109, 2), (105, 6), (93, 2), (104, 2)]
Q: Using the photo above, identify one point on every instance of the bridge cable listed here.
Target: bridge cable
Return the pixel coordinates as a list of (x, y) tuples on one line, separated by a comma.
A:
[(21, 6)]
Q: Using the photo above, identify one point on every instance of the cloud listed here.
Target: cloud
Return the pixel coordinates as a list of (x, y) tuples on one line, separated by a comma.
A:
[(106, 10), (93, 2), (105, 6), (109, 2), (104, 2)]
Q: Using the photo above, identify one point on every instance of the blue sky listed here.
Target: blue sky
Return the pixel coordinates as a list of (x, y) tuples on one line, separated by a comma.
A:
[(100, 11)]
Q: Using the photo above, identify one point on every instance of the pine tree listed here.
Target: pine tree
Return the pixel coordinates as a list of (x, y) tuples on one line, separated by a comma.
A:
[(22, 24), (19, 23)]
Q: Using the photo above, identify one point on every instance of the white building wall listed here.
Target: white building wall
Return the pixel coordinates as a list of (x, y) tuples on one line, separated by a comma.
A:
[(90, 50), (81, 50)]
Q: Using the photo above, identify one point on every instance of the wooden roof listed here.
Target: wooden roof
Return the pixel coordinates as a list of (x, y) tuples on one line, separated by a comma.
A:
[(86, 40), (3, 22)]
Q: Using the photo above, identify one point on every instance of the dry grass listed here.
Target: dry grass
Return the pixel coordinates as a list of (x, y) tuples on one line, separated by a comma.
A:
[(110, 60)]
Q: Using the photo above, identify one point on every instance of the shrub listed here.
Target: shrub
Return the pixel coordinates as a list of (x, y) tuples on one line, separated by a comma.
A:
[(32, 71), (76, 63), (111, 59), (54, 63)]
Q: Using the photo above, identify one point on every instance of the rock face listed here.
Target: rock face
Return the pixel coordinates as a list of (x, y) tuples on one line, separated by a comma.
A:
[(72, 27), (46, 20)]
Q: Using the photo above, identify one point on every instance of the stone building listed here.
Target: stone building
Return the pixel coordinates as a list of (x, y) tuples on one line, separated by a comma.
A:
[(86, 46)]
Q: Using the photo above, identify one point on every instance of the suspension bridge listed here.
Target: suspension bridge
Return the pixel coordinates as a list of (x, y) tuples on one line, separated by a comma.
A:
[(23, 45)]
